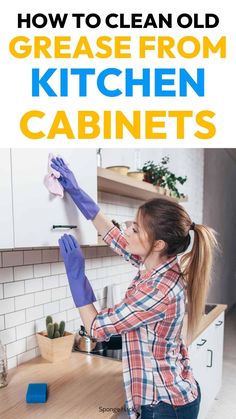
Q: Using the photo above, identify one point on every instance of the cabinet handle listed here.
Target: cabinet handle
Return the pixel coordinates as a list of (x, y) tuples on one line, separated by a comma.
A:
[(54, 227), (219, 323), (211, 352), (203, 342)]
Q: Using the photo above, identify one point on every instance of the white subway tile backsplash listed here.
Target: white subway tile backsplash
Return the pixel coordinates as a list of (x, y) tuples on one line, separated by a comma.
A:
[(59, 293), (66, 304), (57, 268), (50, 282), (33, 285), (58, 317), (96, 284), (34, 313), (2, 323), (63, 280), (37, 351), (98, 305), (0, 259), (51, 308), (1, 291), (13, 258), (100, 294), (68, 292), (24, 301), (16, 347), (8, 335), (91, 274), (31, 342), (40, 324), (102, 273), (92, 263), (42, 270), (32, 257), (26, 356), (77, 323), (25, 330), (15, 318), (43, 297), (72, 314), (113, 270), (13, 289), (6, 275), (12, 362), (7, 305), (23, 272), (70, 326)]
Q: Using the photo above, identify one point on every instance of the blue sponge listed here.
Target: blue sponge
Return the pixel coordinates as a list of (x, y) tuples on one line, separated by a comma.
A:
[(36, 393)]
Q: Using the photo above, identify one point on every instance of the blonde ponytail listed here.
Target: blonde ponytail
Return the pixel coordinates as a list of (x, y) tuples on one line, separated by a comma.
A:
[(168, 221), (196, 267)]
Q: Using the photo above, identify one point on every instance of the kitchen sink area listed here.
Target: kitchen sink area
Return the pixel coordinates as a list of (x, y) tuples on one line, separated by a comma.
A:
[(209, 308), (109, 349)]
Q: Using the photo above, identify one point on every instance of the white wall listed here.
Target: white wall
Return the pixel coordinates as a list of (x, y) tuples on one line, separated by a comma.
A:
[(219, 212), (183, 162)]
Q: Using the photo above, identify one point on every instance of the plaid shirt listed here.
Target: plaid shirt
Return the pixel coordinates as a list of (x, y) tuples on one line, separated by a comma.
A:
[(149, 318)]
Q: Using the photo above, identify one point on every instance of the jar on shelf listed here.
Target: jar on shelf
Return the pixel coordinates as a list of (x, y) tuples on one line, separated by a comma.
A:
[(99, 157), (3, 366)]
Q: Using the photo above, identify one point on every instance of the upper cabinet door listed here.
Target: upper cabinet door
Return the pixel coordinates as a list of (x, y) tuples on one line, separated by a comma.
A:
[(6, 219), (36, 211)]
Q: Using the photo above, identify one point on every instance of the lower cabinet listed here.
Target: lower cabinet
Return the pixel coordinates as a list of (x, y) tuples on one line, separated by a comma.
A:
[(206, 356)]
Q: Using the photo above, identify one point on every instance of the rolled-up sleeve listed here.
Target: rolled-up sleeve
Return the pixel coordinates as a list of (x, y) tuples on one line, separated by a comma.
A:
[(117, 242), (146, 305)]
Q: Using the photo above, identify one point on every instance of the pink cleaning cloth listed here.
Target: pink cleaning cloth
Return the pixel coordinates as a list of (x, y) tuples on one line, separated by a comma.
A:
[(51, 180)]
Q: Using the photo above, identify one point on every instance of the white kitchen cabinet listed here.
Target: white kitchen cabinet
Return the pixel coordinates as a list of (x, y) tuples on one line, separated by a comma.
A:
[(36, 211), (206, 356), (215, 355), (6, 219)]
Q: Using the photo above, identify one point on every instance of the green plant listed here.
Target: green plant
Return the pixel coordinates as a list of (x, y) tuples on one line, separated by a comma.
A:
[(159, 174), (53, 330)]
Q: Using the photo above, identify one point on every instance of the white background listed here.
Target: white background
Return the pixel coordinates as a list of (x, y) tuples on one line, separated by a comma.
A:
[(15, 81)]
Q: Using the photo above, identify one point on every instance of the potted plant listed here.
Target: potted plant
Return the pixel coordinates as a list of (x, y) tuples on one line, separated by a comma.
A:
[(162, 177), (55, 343)]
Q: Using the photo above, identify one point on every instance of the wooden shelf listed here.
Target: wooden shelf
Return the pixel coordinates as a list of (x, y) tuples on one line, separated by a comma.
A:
[(114, 183)]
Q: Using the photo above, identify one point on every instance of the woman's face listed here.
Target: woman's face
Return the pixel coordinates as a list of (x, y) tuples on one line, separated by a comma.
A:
[(137, 239)]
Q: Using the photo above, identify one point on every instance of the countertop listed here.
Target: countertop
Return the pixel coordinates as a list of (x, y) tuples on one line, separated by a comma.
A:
[(79, 388)]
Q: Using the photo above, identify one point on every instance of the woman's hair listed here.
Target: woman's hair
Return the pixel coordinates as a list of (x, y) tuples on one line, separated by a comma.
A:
[(166, 220)]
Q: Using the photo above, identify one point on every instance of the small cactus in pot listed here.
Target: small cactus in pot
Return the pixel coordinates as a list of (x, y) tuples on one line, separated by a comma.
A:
[(51, 348), (53, 329)]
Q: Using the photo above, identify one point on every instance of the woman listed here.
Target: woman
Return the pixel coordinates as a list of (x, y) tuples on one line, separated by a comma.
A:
[(157, 375)]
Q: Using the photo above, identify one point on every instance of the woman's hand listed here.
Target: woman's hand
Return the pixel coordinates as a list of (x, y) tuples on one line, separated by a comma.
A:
[(81, 199), (73, 257), (67, 178)]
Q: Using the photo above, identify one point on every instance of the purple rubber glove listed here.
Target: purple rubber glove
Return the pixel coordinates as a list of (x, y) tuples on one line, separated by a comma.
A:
[(73, 257), (67, 179)]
